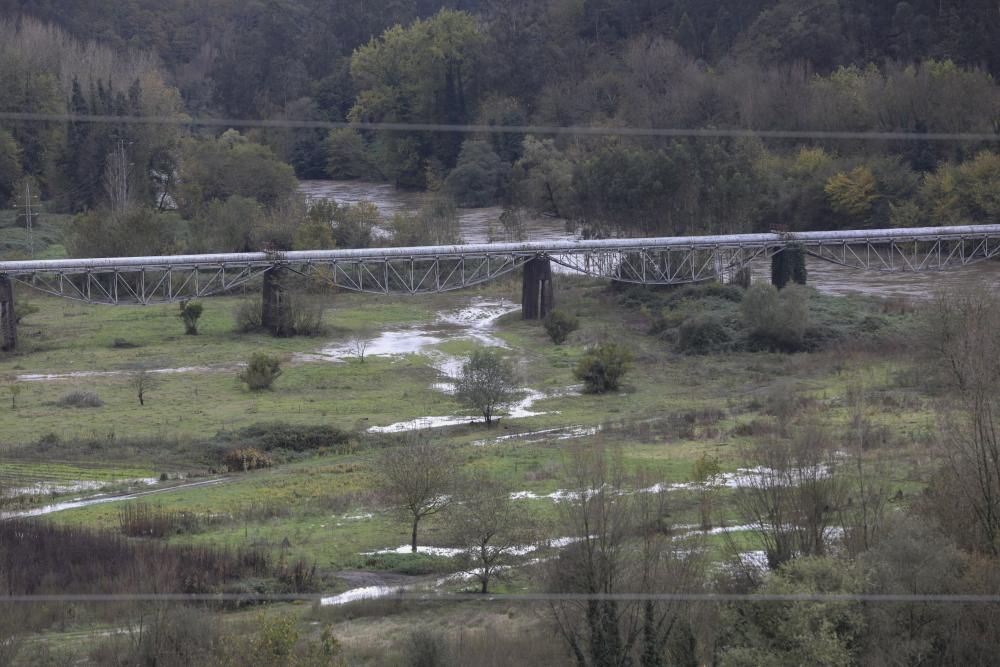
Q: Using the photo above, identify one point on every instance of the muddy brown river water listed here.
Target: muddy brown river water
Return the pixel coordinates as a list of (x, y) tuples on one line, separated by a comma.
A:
[(476, 225)]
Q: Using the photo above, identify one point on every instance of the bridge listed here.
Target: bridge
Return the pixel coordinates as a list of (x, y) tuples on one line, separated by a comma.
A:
[(428, 269)]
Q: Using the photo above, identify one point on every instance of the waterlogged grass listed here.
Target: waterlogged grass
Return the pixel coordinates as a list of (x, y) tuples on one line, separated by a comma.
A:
[(671, 411)]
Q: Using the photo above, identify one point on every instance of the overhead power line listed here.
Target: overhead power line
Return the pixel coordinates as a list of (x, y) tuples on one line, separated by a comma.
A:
[(183, 121), (416, 596)]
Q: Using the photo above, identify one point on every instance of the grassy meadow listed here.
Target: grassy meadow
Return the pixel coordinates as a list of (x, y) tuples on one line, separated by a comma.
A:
[(319, 506)]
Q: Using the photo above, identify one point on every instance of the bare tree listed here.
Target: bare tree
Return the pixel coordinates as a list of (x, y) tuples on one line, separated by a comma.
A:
[(490, 526), (791, 494), (117, 182), (416, 478), (142, 382), (621, 546), (359, 344), (863, 513), (487, 383), (961, 337)]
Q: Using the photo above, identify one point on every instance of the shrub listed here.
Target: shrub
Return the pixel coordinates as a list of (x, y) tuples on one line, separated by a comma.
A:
[(602, 367), (261, 371), (243, 459), (559, 325), (190, 312), (776, 320), (278, 435), (81, 399), (703, 334), (247, 315)]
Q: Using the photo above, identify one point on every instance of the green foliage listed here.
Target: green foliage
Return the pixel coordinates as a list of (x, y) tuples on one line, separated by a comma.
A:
[(228, 225), (776, 320), (330, 224), (559, 325), (217, 169), (436, 223), (602, 367), (261, 371), (190, 313), (543, 178), (800, 633), (10, 168), (480, 176), (703, 334), (275, 436), (426, 73), (487, 383), (141, 231), (346, 155)]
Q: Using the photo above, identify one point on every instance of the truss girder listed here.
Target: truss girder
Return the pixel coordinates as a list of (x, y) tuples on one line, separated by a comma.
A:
[(143, 286), (658, 261)]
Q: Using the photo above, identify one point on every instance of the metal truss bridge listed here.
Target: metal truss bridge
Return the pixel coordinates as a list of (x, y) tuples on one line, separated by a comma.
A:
[(650, 261)]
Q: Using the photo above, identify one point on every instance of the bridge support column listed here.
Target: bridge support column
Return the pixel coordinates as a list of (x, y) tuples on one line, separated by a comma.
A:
[(787, 265), (274, 311), (537, 295), (8, 324)]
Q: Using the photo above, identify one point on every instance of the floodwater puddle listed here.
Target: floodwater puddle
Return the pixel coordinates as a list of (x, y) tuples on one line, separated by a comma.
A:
[(77, 375), (472, 322), (77, 503), (363, 593), (542, 435), (51, 488)]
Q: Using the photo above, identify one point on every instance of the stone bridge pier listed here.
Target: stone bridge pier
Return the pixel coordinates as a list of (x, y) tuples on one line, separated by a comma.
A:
[(8, 324), (537, 296), (275, 313)]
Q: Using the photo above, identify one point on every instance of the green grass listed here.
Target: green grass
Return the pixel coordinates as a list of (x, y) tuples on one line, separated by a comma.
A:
[(673, 409)]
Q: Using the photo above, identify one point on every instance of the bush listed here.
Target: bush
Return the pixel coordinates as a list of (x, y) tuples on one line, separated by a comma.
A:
[(776, 320), (703, 334), (81, 399), (247, 315), (479, 176), (190, 312), (278, 435), (559, 325), (602, 367), (261, 371), (243, 459)]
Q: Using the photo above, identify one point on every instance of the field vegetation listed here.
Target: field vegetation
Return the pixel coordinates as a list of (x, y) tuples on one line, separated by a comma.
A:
[(850, 428)]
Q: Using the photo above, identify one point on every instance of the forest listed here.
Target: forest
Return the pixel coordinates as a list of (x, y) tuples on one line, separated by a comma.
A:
[(796, 65)]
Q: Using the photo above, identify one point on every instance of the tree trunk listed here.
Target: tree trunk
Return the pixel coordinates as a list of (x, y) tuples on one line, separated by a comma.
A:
[(413, 538)]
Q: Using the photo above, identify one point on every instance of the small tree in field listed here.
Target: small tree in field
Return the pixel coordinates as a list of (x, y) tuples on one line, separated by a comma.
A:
[(190, 312), (490, 526), (601, 368), (261, 371), (559, 325), (142, 381), (487, 383), (416, 478)]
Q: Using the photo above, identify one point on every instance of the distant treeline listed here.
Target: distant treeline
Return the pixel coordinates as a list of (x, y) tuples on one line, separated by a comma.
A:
[(803, 65)]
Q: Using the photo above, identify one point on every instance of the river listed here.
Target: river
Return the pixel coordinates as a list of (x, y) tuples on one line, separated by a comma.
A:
[(479, 224)]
